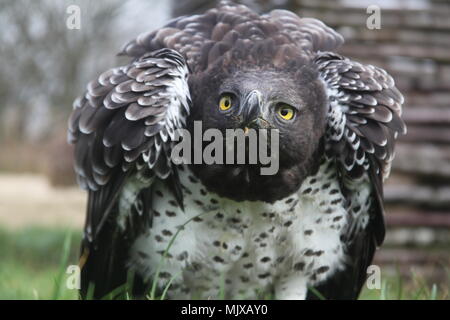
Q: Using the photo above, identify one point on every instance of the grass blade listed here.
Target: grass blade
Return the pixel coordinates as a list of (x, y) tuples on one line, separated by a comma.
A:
[(163, 296), (62, 268), (317, 293), (164, 256)]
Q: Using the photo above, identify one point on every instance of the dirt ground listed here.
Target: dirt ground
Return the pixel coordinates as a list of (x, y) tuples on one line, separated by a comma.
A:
[(31, 200)]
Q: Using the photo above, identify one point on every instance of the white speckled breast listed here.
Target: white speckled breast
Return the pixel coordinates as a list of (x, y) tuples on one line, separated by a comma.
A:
[(244, 249)]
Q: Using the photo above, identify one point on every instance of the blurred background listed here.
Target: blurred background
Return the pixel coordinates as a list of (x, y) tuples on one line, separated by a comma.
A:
[(45, 66)]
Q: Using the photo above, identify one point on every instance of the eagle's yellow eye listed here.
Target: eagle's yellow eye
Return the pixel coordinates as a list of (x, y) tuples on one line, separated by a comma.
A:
[(286, 112), (225, 103)]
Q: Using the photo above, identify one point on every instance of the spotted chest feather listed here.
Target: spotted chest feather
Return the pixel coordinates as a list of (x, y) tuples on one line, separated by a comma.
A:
[(244, 249)]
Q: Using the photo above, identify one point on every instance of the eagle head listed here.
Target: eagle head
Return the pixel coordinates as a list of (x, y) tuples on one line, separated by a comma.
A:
[(289, 98)]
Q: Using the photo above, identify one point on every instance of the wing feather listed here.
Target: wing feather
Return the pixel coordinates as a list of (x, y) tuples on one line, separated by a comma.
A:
[(125, 109), (364, 120), (119, 118), (123, 119)]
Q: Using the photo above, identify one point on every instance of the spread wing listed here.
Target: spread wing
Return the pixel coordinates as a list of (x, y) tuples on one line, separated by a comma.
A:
[(364, 120), (127, 120), (123, 128)]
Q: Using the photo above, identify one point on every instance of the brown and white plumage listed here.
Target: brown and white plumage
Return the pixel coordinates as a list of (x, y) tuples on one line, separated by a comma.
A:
[(123, 130)]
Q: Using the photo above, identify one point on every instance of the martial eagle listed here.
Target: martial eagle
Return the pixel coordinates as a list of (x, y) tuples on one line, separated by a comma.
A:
[(211, 230)]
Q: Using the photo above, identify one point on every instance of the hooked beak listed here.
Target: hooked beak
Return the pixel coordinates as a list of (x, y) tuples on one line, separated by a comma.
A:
[(251, 112), (251, 107)]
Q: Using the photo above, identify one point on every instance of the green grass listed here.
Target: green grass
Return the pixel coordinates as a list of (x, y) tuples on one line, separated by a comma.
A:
[(417, 288), (33, 264)]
